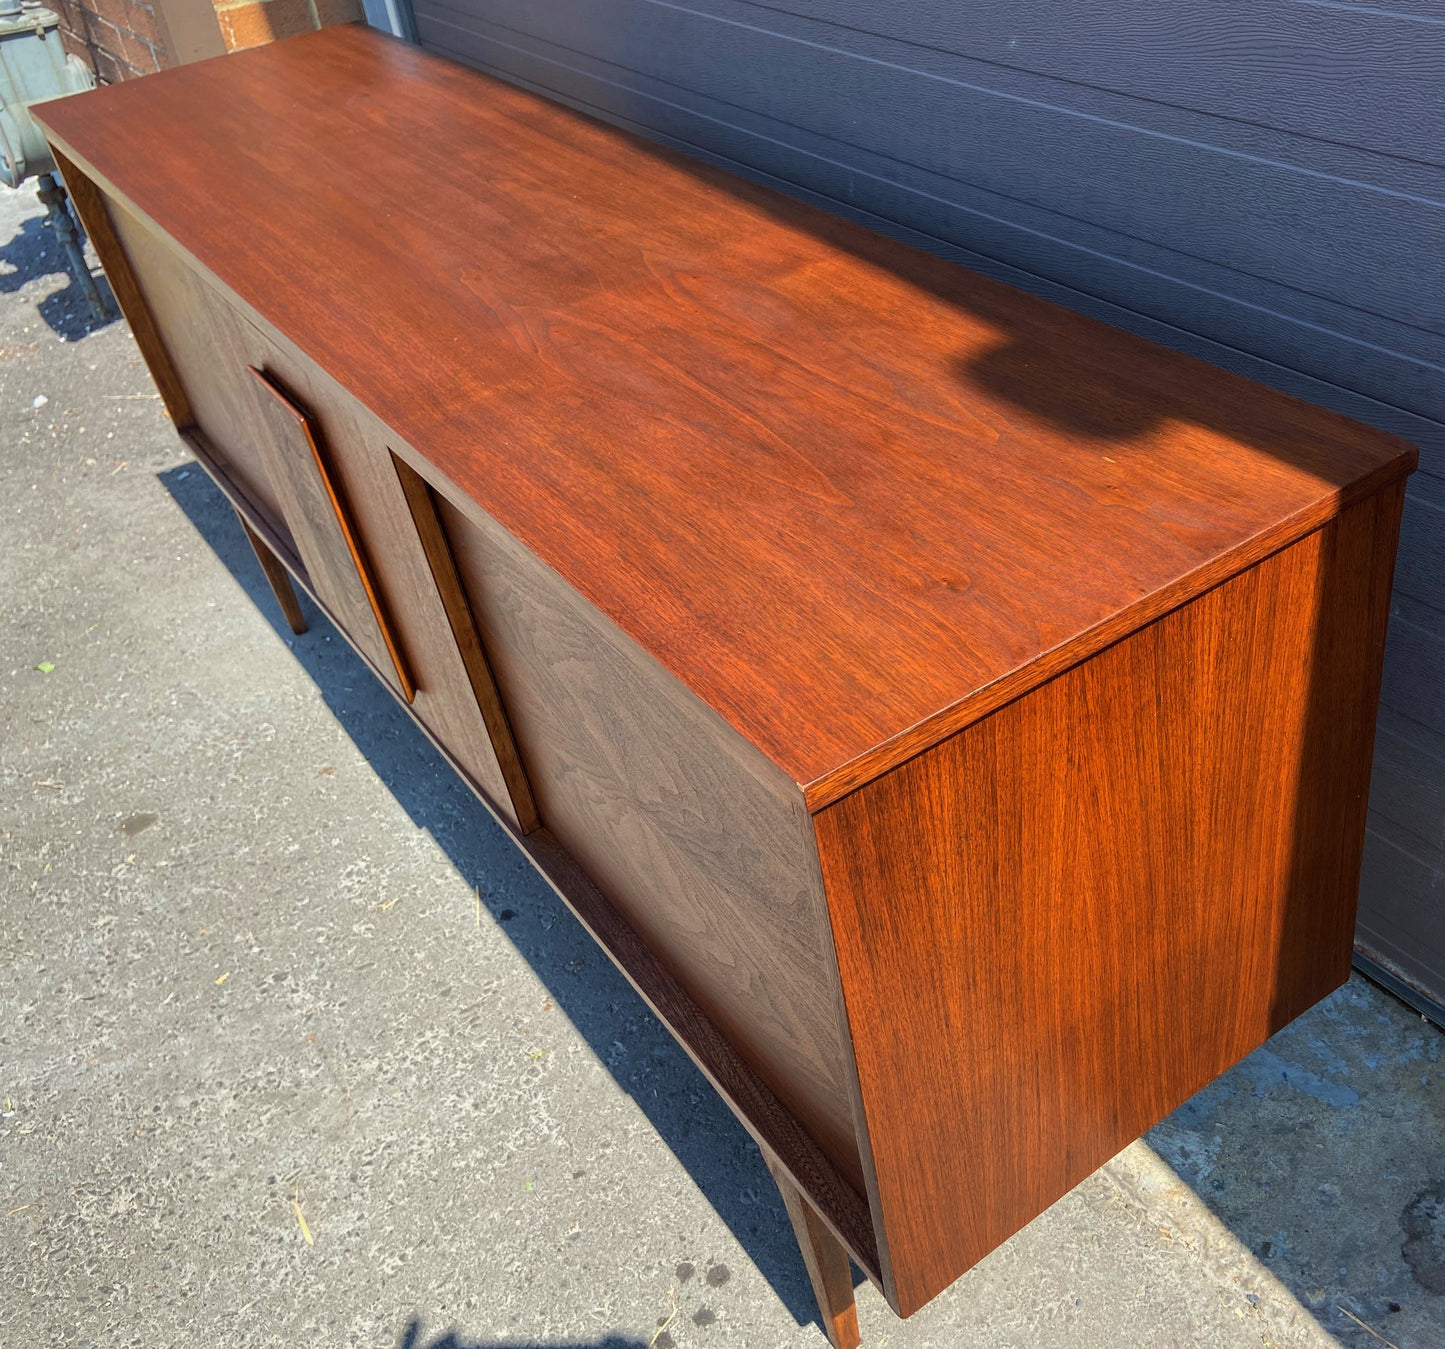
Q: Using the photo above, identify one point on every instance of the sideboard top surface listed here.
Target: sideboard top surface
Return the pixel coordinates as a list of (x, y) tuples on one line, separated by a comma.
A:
[(852, 495)]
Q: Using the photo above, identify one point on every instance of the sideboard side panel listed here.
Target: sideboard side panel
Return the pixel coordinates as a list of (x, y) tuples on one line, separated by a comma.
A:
[(701, 844), (1055, 927)]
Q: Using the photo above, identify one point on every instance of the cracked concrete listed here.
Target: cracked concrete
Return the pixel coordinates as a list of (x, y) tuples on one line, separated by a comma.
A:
[(264, 962)]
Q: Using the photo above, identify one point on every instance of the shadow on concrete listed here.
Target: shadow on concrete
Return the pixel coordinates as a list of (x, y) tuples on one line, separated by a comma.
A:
[(678, 1101), (34, 252), (414, 1338)]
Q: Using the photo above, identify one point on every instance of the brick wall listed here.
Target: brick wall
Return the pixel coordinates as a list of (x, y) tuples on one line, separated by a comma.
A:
[(124, 38), (119, 38)]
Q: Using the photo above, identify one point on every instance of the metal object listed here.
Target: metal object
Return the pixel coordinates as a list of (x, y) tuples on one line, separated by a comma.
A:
[(34, 66), (57, 209), (391, 16), (1411, 994)]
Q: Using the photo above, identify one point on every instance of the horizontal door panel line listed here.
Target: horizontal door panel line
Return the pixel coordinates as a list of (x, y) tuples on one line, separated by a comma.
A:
[(1404, 928), (1420, 572), (1058, 241), (1396, 14), (822, 145), (1005, 95), (1432, 868), (1409, 733), (1423, 852), (1371, 410), (1379, 969), (1417, 839), (1423, 428), (1416, 640), (1405, 842), (1411, 590), (1414, 621), (1293, 221), (1112, 84), (1392, 704)]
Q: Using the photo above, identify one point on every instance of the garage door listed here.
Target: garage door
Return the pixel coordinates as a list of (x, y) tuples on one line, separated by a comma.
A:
[(1260, 183)]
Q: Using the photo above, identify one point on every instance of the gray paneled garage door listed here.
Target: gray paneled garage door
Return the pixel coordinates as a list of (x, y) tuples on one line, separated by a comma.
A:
[(1259, 182)]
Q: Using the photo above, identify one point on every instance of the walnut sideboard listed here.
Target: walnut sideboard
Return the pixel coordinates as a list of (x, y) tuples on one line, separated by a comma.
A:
[(954, 715)]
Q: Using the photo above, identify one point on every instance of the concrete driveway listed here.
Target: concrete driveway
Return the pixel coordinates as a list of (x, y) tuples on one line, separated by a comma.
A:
[(295, 1050)]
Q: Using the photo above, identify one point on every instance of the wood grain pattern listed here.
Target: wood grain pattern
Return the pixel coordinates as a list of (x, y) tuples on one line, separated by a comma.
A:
[(839, 1212), (772, 1125), (851, 496), (792, 1152), (1058, 925), (91, 206), (321, 525), (423, 711), (254, 520), (210, 346), (1174, 199), (826, 1261), (1253, 186), (277, 577), (464, 629), (702, 846), (214, 343), (700, 511), (446, 697)]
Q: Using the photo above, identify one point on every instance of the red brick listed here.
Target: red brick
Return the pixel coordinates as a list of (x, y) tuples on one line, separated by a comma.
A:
[(72, 33), (77, 46), (135, 52), (99, 36), (109, 69), (129, 15), (99, 32), (68, 16), (124, 49)]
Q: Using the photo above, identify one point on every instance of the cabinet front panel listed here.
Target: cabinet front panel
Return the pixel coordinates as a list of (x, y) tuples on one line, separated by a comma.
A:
[(211, 345), (298, 462), (701, 844)]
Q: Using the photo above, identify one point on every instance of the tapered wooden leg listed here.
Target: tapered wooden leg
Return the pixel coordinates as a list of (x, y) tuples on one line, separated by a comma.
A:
[(277, 575), (827, 1264)]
